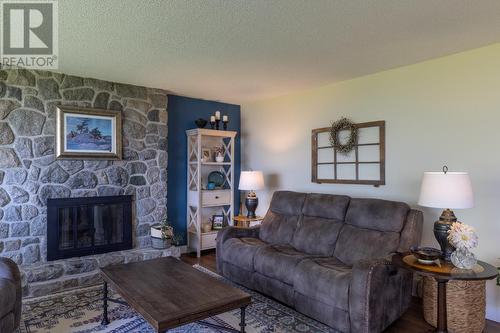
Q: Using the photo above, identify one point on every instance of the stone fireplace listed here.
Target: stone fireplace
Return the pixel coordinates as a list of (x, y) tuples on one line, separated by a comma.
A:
[(79, 227), (31, 176)]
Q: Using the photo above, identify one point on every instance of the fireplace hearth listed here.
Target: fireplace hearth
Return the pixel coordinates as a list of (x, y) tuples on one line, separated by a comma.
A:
[(86, 226)]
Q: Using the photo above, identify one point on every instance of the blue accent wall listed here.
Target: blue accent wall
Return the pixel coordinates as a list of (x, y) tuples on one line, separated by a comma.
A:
[(182, 112)]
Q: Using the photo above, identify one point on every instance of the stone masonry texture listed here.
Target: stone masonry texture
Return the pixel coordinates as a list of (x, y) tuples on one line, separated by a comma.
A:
[(30, 174)]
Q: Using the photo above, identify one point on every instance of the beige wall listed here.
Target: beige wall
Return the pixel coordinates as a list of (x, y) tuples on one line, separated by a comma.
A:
[(443, 111)]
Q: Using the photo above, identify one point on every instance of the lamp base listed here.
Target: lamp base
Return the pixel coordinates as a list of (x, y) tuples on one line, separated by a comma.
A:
[(251, 204), (441, 228)]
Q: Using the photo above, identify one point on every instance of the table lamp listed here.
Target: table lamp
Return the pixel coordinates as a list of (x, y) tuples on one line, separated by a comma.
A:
[(251, 181), (446, 190)]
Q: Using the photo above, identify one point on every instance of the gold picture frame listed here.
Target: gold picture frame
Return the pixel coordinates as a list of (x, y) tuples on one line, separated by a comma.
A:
[(85, 133)]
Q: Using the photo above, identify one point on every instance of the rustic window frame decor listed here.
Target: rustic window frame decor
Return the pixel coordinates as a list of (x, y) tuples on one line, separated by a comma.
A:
[(334, 180)]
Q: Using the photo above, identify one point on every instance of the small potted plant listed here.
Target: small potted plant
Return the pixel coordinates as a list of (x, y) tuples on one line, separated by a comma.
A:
[(162, 235), (219, 154)]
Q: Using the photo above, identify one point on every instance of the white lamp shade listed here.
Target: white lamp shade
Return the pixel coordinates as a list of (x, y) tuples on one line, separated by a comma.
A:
[(446, 190), (251, 181)]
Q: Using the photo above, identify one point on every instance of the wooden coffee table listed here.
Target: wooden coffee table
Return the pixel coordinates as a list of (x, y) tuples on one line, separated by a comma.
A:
[(169, 293)]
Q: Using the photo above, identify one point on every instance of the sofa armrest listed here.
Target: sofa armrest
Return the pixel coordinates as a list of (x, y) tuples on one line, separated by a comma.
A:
[(8, 297), (235, 232), (10, 272), (379, 294), (232, 232)]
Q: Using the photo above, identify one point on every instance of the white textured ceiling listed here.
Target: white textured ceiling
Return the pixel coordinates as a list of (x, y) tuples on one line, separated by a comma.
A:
[(238, 51)]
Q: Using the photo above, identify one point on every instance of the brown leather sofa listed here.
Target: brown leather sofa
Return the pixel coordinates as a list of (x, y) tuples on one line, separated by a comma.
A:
[(10, 296), (327, 256)]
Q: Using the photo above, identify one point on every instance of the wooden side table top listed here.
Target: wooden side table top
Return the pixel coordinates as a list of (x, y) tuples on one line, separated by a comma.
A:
[(481, 271), (242, 218), (241, 221), (169, 293)]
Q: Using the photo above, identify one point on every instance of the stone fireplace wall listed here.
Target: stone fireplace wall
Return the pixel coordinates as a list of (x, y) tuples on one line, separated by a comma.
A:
[(30, 174)]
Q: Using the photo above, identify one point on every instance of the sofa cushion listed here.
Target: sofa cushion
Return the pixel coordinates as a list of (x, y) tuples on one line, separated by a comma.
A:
[(278, 262), (278, 228), (376, 214), (282, 218), (357, 243), (316, 235), (241, 251), (8, 296), (287, 202), (328, 206), (324, 279)]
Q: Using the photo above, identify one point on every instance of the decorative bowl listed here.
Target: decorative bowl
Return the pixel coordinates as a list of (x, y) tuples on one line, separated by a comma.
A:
[(217, 178), (425, 254), (200, 122)]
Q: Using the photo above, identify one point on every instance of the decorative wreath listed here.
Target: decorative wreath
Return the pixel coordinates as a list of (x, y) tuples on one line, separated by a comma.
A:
[(343, 124)]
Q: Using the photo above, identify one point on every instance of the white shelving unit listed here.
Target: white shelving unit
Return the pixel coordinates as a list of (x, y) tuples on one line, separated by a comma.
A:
[(202, 204)]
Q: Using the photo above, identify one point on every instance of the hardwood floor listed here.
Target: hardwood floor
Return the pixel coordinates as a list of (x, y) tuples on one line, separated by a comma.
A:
[(411, 322)]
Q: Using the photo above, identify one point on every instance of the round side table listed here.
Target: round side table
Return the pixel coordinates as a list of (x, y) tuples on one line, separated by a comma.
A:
[(247, 222), (443, 274)]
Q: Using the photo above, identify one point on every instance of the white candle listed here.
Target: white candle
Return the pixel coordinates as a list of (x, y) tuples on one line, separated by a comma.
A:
[(225, 119), (212, 119), (217, 115)]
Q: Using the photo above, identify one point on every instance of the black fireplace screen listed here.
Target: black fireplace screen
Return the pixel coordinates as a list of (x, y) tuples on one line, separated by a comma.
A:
[(84, 226)]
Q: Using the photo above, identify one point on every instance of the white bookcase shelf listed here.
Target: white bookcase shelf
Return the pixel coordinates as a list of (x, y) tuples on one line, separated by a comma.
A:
[(202, 204)]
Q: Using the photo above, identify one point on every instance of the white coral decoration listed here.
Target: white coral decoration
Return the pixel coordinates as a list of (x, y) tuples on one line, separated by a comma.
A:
[(461, 235)]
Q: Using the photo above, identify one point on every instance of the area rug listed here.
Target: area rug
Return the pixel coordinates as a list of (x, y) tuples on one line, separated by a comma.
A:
[(79, 311)]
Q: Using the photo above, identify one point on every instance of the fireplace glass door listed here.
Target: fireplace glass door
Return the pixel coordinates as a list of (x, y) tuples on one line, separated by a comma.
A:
[(88, 226), (66, 239), (107, 224)]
